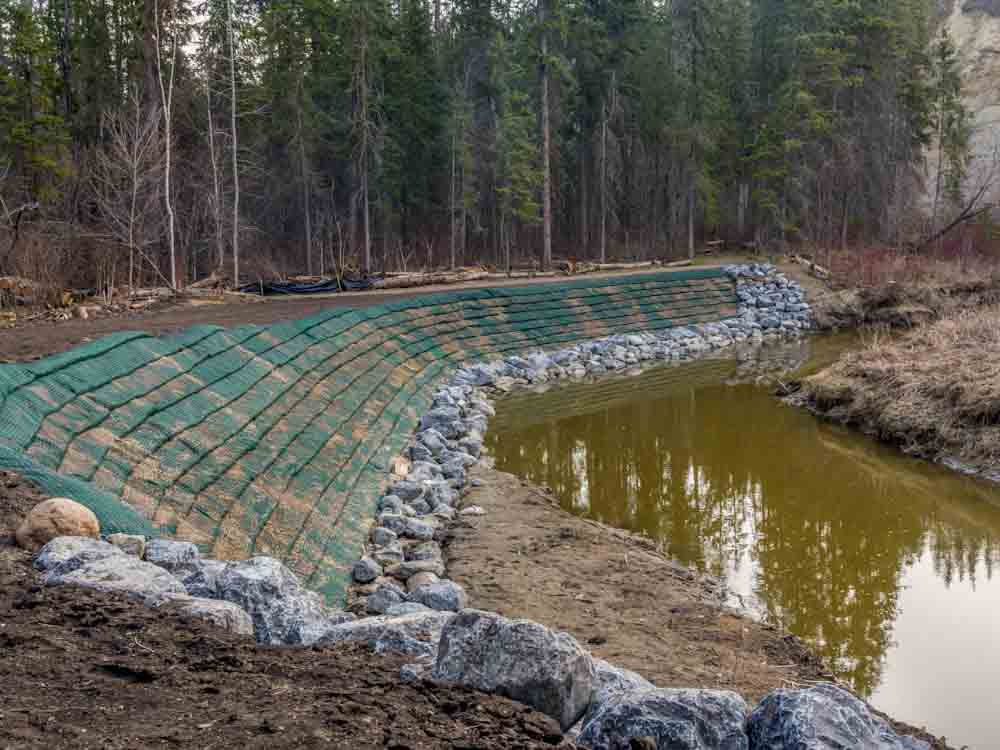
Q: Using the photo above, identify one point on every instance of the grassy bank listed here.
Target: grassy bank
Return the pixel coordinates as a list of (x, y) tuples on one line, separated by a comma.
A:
[(934, 391)]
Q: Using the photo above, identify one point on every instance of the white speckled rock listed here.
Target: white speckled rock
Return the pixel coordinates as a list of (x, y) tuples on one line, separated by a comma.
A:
[(130, 544), (519, 659), (282, 610), (224, 615), (678, 719), (65, 554), (414, 634), (122, 574), (824, 717), (443, 596)]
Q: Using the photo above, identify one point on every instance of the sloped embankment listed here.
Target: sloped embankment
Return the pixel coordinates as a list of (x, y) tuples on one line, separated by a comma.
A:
[(274, 440), (935, 391)]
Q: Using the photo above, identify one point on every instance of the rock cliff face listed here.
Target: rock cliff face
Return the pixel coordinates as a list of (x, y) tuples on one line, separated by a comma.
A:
[(974, 26)]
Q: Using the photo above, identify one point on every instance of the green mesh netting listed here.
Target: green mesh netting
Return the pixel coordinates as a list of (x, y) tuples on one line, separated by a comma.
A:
[(275, 439)]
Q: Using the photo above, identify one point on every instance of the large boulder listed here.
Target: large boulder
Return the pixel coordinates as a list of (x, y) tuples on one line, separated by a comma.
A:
[(130, 544), (56, 517), (121, 574), (282, 610), (199, 576), (823, 717), (65, 554), (366, 570), (519, 659), (224, 615), (176, 557), (202, 578), (444, 596), (384, 597), (415, 634), (671, 719), (611, 681)]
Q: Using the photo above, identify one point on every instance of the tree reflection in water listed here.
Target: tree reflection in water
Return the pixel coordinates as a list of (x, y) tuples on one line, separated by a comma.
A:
[(816, 524)]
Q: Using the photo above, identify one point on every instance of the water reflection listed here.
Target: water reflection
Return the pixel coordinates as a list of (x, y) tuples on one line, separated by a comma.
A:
[(816, 526)]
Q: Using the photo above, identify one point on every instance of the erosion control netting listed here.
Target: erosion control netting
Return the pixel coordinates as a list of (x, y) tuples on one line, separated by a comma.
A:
[(275, 440)]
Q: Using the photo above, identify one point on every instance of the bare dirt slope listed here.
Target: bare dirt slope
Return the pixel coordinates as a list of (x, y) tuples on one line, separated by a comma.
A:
[(617, 595), (611, 590), (83, 670)]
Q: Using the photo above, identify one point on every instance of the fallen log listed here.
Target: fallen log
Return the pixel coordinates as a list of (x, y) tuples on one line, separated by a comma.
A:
[(815, 268)]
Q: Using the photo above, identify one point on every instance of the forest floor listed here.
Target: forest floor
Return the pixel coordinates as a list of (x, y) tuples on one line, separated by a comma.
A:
[(617, 595), (81, 669), (33, 339)]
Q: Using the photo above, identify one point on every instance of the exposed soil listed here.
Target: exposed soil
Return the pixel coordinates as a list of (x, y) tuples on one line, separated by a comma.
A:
[(39, 338), (81, 669), (615, 593)]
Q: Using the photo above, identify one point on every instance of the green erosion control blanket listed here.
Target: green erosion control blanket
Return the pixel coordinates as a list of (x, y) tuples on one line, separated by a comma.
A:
[(275, 439)]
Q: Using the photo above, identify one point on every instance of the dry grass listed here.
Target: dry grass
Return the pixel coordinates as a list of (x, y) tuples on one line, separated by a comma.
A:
[(934, 391), (905, 304)]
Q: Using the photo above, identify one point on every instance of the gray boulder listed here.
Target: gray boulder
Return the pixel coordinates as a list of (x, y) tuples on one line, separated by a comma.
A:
[(391, 554), (443, 596), (382, 536), (424, 551), (609, 682), (440, 493), (519, 659), (395, 522), (411, 567), (365, 570), (384, 597), (406, 490), (824, 717), (64, 554), (406, 608), (413, 635), (202, 579), (130, 544), (390, 504), (224, 615), (432, 440), (283, 612), (172, 556), (122, 574), (445, 419), (414, 528), (675, 719)]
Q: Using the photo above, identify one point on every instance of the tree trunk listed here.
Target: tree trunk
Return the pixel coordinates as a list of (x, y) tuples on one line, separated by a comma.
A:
[(235, 143), (691, 209), (166, 100), (306, 191), (546, 139)]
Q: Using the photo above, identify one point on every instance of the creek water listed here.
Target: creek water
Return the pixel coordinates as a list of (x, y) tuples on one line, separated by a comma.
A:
[(883, 563)]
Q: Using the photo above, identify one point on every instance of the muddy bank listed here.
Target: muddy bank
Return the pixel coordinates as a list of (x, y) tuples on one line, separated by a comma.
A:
[(82, 669), (934, 392), (615, 592)]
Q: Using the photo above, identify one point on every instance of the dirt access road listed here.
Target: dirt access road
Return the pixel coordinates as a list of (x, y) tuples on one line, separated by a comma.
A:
[(35, 339)]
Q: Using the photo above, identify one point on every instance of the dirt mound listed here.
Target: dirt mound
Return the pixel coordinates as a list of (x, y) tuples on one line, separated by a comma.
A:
[(86, 670)]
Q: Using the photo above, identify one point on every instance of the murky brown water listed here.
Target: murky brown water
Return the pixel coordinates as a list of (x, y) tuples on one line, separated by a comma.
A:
[(884, 563)]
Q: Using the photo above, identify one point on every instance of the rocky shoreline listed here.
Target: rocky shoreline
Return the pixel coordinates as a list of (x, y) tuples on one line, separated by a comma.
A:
[(408, 606)]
